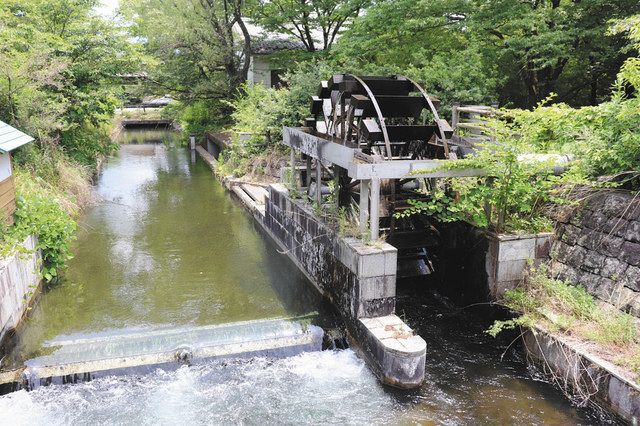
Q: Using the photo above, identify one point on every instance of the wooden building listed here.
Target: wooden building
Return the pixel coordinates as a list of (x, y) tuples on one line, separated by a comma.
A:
[(10, 139)]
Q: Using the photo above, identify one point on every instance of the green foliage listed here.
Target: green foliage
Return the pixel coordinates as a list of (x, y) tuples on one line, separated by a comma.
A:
[(303, 19), (204, 115), (605, 139), (85, 144), (485, 51), (259, 113), (39, 211)]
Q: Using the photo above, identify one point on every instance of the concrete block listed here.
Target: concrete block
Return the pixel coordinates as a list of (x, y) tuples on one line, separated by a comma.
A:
[(391, 262), (371, 265), (399, 361), (511, 270), (543, 245), (377, 287), (517, 249), (501, 286)]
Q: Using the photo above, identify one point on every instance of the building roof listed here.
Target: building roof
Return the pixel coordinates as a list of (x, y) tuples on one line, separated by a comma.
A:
[(11, 138), (273, 45)]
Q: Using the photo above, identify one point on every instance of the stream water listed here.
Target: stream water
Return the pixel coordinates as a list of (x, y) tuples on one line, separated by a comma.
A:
[(167, 247)]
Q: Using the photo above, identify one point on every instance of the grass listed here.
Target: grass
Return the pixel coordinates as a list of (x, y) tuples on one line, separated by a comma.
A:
[(569, 309)]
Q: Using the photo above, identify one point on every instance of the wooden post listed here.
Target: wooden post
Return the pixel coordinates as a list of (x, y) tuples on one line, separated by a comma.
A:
[(364, 205), (374, 212)]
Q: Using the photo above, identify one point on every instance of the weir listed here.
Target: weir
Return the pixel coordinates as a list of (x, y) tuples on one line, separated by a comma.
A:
[(74, 358)]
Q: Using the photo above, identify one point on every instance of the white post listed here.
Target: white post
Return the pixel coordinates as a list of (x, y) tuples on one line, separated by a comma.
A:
[(192, 142), (364, 205), (374, 212)]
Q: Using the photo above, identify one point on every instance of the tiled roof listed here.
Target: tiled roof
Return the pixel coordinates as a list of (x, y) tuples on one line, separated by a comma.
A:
[(11, 138), (268, 46)]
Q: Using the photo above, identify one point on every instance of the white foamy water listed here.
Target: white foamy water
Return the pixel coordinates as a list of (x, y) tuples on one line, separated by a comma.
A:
[(312, 388)]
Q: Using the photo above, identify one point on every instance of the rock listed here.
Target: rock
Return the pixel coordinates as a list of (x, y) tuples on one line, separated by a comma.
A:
[(632, 232), (630, 253), (593, 261), (559, 251), (614, 204), (576, 256), (616, 226), (610, 245), (631, 278), (613, 269), (596, 220), (590, 281), (570, 234)]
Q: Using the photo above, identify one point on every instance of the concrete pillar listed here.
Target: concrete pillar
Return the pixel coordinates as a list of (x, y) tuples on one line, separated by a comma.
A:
[(364, 205), (192, 142), (374, 212), (318, 182), (294, 178), (308, 173)]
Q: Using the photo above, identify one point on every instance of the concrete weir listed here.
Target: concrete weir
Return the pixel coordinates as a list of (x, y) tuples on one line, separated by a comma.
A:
[(126, 350)]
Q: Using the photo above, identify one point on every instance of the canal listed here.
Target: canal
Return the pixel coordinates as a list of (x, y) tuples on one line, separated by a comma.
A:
[(165, 246)]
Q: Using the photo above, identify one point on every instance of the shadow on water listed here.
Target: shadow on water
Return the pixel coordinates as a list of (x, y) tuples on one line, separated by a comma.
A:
[(473, 377)]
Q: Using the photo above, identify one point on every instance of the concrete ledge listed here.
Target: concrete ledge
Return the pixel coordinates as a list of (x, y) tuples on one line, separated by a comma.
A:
[(395, 353), (585, 373)]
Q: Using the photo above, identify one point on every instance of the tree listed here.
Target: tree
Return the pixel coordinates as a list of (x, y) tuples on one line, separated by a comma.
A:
[(58, 70), (201, 47), (306, 19), (554, 46)]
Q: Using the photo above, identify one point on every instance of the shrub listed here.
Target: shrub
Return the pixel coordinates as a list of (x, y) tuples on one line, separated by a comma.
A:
[(40, 211)]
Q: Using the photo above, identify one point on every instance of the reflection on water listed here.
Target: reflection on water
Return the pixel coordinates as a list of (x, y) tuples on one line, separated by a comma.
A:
[(165, 246)]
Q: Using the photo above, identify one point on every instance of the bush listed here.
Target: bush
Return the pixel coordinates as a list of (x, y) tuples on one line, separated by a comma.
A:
[(40, 211)]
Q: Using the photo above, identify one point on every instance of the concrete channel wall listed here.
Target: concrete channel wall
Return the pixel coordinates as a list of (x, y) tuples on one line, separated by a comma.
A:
[(359, 279), (19, 282)]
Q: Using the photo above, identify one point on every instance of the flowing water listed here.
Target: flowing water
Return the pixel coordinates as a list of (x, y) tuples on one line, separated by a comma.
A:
[(166, 247)]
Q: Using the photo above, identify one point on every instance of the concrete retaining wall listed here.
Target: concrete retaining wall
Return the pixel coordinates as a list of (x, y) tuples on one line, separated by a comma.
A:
[(585, 375), (359, 279), (599, 248), (507, 258), (19, 280)]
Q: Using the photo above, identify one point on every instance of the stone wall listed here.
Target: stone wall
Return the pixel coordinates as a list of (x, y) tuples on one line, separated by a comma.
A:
[(19, 279), (599, 247), (358, 278)]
